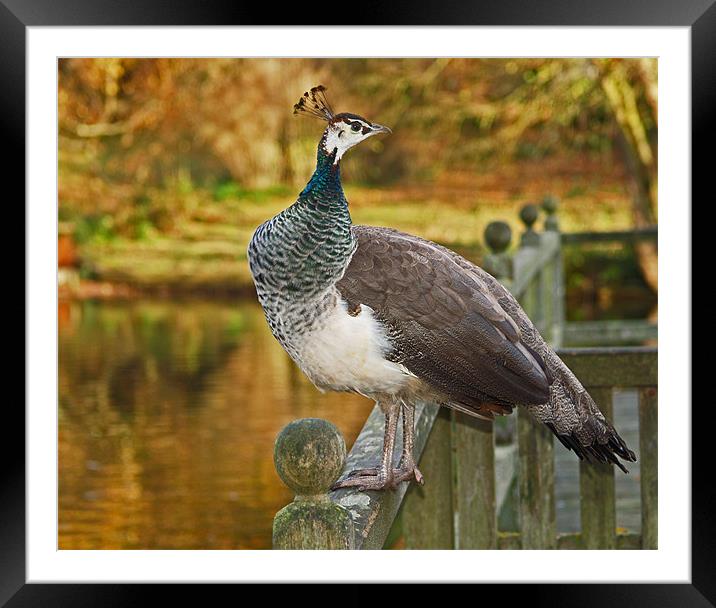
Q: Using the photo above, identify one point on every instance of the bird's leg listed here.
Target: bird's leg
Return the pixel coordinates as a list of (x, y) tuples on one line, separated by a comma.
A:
[(386, 476), (408, 469), (381, 478)]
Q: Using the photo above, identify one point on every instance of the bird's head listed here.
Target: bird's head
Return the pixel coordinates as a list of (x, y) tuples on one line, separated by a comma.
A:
[(344, 130)]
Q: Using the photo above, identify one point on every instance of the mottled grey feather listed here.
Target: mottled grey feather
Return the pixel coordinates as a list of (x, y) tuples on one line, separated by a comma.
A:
[(446, 327), (460, 330)]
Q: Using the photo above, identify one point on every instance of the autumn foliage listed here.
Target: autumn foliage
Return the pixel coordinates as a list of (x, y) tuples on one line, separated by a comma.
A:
[(136, 134)]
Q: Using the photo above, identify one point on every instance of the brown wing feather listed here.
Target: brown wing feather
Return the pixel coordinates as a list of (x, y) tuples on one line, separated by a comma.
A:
[(571, 413), (446, 326)]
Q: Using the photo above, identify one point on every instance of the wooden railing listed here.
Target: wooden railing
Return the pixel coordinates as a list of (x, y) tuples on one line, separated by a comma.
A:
[(599, 333), (601, 370), (468, 477), (534, 273)]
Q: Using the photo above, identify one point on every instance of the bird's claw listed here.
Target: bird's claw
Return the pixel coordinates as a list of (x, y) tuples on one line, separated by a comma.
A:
[(409, 473), (366, 479), (376, 479)]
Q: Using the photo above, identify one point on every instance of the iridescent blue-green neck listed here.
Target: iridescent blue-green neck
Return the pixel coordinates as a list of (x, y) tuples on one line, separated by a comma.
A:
[(297, 256), (322, 224), (325, 183)]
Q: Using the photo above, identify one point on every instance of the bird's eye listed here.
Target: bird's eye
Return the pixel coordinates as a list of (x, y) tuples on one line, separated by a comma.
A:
[(355, 127)]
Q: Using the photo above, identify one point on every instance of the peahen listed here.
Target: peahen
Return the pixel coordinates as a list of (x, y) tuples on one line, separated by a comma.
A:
[(398, 319)]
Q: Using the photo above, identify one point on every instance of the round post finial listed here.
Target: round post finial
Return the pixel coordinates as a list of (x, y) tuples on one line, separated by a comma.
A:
[(550, 204), (529, 214), (498, 236), (309, 455)]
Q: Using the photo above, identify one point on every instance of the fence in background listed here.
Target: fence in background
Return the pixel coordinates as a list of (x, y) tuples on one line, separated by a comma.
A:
[(468, 476)]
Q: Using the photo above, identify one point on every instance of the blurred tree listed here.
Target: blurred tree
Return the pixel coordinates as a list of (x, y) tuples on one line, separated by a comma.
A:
[(489, 110), (129, 125), (630, 88), (604, 101)]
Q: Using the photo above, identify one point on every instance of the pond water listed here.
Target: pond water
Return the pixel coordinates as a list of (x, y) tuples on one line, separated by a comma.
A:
[(167, 416), (168, 411)]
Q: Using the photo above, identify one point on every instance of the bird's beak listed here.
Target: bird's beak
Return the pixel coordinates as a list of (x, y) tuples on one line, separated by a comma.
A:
[(380, 129)]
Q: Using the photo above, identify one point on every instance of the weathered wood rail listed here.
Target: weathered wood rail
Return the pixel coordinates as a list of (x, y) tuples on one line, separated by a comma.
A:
[(468, 477), (599, 333)]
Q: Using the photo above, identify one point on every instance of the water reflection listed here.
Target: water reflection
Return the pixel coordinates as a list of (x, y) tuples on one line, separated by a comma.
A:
[(167, 416)]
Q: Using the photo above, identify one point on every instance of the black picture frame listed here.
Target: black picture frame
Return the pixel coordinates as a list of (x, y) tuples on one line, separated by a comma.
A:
[(17, 15)]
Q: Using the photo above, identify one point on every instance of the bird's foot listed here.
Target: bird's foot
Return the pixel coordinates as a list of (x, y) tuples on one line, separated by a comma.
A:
[(366, 479), (375, 479), (408, 472)]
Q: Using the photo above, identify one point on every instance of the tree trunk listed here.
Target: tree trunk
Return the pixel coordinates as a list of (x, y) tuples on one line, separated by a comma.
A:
[(622, 90), (286, 173)]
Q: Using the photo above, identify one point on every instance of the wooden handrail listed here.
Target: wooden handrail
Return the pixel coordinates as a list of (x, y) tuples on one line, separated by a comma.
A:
[(528, 262), (635, 234), (597, 333), (373, 512), (627, 366)]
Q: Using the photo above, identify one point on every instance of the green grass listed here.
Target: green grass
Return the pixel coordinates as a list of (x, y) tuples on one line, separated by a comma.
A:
[(204, 247)]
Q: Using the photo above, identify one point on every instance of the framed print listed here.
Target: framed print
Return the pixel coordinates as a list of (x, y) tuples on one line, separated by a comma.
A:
[(174, 432)]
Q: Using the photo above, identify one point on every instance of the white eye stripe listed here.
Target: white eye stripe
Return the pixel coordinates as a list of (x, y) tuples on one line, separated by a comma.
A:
[(360, 122)]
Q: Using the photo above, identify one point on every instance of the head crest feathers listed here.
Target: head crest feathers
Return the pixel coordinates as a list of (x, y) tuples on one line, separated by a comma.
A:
[(314, 103)]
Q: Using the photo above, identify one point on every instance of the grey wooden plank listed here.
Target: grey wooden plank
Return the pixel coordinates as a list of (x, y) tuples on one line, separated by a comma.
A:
[(628, 487), (559, 295), (597, 333), (475, 498), (648, 448), (624, 366), (536, 483), (597, 491), (505, 472), (637, 234), (547, 278), (539, 316), (529, 261), (427, 515), (373, 512)]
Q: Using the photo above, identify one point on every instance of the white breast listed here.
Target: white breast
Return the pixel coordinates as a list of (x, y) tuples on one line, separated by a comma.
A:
[(347, 353)]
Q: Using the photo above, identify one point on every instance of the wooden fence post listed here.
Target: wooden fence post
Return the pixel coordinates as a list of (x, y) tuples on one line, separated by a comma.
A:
[(538, 519), (596, 488), (536, 483), (529, 214), (498, 262), (648, 454), (428, 510), (553, 277), (309, 455), (475, 500), (550, 204)]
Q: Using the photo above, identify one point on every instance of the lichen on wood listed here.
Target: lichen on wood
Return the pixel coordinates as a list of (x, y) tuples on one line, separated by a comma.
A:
[(309, 455)]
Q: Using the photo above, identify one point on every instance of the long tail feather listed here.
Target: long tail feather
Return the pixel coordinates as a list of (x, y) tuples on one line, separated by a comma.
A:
[(597, 452)]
